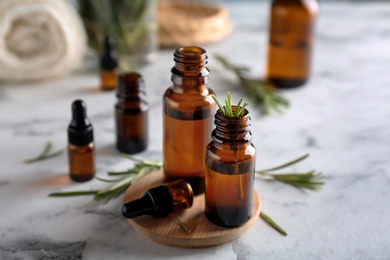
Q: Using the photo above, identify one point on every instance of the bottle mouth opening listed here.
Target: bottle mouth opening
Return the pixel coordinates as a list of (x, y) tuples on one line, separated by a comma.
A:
[(244, 115), (190, 54), (129, 82), (129, 76), (191, 50)]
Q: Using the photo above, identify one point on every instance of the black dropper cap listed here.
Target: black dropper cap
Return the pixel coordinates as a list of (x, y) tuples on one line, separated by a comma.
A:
[(157, 202), (80, 130), (108, 60)]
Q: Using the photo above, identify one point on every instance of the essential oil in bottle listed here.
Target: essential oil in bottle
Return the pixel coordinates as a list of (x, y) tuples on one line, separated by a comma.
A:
[(131, 113), (81, 152), (290, 42), (188, 109), (108, 66), (230, 160), (160, 201)]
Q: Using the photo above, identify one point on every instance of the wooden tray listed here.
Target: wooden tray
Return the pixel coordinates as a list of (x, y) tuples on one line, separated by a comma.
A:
[(167, 232)]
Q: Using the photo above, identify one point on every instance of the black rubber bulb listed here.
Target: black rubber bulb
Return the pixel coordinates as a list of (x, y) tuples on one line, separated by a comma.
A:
[(79, 120), (108, 60), (80, 131)]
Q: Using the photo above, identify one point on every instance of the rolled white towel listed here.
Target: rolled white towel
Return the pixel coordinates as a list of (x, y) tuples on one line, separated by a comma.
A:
[(39, 39)]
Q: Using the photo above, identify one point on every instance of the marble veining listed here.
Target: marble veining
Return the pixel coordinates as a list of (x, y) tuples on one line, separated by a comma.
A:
[(341, 117), (36, 249)]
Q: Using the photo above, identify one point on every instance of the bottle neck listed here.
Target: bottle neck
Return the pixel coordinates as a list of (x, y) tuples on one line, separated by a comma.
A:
[(131, 88), (190, 70), (232, 130)]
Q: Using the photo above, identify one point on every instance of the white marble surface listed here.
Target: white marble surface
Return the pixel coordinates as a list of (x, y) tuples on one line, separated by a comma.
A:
[(342, 118)]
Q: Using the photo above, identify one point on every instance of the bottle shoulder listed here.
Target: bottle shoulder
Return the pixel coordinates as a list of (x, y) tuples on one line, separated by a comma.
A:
[(228, 151), (288, 7), (192, 99)]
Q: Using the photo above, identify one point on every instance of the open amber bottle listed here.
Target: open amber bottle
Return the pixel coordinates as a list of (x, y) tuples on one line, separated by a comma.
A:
[(230, 160), (188, 109), (290, 41)]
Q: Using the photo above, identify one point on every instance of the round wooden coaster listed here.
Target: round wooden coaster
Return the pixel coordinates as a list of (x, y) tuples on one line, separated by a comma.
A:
[(166, 231)]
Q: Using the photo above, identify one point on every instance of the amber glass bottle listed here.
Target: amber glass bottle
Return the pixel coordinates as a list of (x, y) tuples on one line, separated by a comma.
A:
[(230, 160), (188, 110), (131, 114), (81, 152), (108, 66), (161, 200), (290, 41)]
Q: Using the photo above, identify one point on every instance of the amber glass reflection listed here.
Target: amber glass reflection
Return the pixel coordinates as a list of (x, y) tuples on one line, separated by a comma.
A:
[(230, 160), (290, 42), (81, 162), (188, 110), (182, 194)]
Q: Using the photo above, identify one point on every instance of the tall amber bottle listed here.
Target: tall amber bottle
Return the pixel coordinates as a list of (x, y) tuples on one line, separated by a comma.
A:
[(131, 113), (290, 41), (81, 153), (188, 110), (230, 160)]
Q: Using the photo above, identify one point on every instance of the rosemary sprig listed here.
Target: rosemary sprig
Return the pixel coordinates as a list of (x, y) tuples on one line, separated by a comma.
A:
[(263, 92), (44, 155), (141, 168), (184, 227), (272, 223), (227, 110), (308, 180)]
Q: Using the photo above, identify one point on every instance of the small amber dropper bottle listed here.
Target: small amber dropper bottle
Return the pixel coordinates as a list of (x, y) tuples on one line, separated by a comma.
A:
[(81, 146), (160, 201), (108, 66)]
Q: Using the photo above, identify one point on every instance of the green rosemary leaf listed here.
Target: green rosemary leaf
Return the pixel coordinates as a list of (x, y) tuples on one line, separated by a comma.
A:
[(272, 223), (285, 164), (227, 110), (73, 193), (309, 180), (129, 171), (141, 168), (218, 103), (238, 107), (184, 226), (131, 157), (44, 155), (262, 92), (107, 180)]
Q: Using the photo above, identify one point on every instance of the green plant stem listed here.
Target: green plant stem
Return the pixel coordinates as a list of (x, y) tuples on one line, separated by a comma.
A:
[(308, 180), (301, 158), (73, 193), (141, 168), (272, 223), (44, 155)]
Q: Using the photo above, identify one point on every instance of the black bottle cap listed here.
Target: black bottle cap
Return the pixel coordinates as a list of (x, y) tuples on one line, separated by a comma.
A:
[(157, 202), (108, 60), (80, 130)]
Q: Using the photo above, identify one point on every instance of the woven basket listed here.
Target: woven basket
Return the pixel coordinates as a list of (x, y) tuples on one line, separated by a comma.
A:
[(185, 23)]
